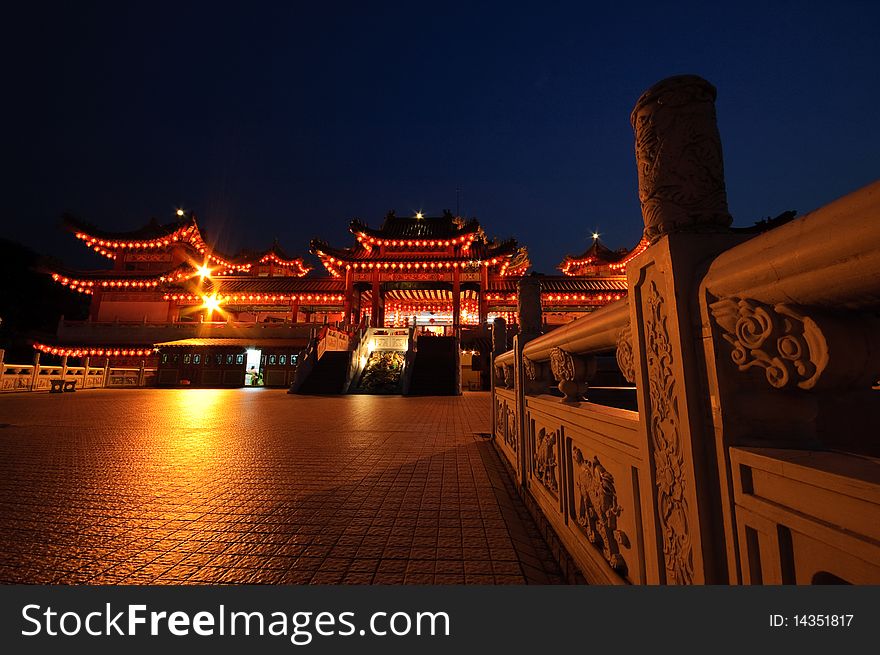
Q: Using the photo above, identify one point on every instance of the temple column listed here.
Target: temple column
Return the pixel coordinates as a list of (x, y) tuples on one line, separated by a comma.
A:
[(484, 301), (456, 300), (348, 303), (294, 308), (529, 308), (374, 315)]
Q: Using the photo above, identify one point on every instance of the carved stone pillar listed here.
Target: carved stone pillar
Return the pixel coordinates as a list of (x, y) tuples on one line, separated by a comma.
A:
[(456, 301), (499, 336), (678, 153), (528, 298), (681, 188)]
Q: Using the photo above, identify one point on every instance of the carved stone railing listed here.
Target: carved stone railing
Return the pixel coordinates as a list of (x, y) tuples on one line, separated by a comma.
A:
[(755, 361), (791, 340), (39, 377)]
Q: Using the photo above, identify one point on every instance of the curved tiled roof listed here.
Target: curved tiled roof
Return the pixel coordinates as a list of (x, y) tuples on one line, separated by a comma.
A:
[(564, 284), (152, 230), (412, 227), (251, 284)]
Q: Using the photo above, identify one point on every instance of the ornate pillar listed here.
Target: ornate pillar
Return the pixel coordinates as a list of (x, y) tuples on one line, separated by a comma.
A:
[(499, 336), (375, 319), (529, 308), (294, 308), (484, 301), (681, 188), (456, 300), (348, 302), (678, 153)]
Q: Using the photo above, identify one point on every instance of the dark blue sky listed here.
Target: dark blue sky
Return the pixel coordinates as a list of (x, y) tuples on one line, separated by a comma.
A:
[(288, 122)]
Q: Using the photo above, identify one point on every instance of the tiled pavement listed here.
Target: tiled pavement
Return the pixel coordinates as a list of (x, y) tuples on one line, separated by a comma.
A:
[(251, 486)]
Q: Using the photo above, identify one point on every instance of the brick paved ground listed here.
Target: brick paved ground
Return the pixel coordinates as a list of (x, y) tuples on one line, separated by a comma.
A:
[(252, 486)]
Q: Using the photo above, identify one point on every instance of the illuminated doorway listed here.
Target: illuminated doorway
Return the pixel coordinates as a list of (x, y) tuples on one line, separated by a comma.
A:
[(253, 376)]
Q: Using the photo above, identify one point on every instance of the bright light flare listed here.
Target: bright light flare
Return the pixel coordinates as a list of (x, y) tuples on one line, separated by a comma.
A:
[(419, 215), (180, 212), (595, 235), (204, 271), (211, 303)]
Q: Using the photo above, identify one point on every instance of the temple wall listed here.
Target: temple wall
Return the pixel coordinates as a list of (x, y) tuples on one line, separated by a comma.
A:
[(131, 311)]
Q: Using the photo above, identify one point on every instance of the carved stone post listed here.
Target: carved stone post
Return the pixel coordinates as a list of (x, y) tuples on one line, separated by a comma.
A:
[(499, 336), (528, 298), (36, 371), (678, 152), (681, 188)]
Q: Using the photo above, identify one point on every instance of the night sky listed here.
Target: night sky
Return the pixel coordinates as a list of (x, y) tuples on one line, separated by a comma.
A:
[(289, 122)]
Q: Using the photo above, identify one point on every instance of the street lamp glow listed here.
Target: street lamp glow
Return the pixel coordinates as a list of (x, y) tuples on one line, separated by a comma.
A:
[(595, 235), (419, 215), (180, 212)]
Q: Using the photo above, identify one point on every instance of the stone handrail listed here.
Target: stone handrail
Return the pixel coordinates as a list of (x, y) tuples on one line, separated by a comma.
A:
[(827, 258)]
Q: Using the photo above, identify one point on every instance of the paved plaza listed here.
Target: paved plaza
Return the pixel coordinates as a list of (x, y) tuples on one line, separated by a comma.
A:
[(255, 486)]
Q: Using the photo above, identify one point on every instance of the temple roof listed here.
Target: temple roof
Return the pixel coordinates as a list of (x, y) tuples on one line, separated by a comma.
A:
[(444, 227), (565, 284), (152, 230), (262, 285), (598, 254), (479, 250)]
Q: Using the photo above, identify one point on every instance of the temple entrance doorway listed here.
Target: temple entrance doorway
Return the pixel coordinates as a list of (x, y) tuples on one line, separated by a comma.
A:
[(253, 368)]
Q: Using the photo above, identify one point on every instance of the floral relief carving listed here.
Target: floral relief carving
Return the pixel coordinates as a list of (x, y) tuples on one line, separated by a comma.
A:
[(530, 368), (544, 463), (571, 372), (664, 429), (597, 509), (780, 339), (625, 361)]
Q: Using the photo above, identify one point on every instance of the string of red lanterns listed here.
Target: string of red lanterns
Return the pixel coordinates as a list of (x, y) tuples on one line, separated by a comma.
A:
[(95, 351)]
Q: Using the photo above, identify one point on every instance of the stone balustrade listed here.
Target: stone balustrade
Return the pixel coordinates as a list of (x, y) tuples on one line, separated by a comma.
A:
[(38, 377), (753, 454)]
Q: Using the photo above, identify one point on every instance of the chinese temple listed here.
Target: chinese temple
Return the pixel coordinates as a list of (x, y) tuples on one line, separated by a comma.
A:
[(206, 318)]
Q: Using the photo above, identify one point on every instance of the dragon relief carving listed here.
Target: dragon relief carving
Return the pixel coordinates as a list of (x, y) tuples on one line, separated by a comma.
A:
[(544, 460), (664, 420), (597, 509), (500, 413), (508, 376), (787, 344), (510, 435), (535, 376), (678, 153), (625, 361)]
